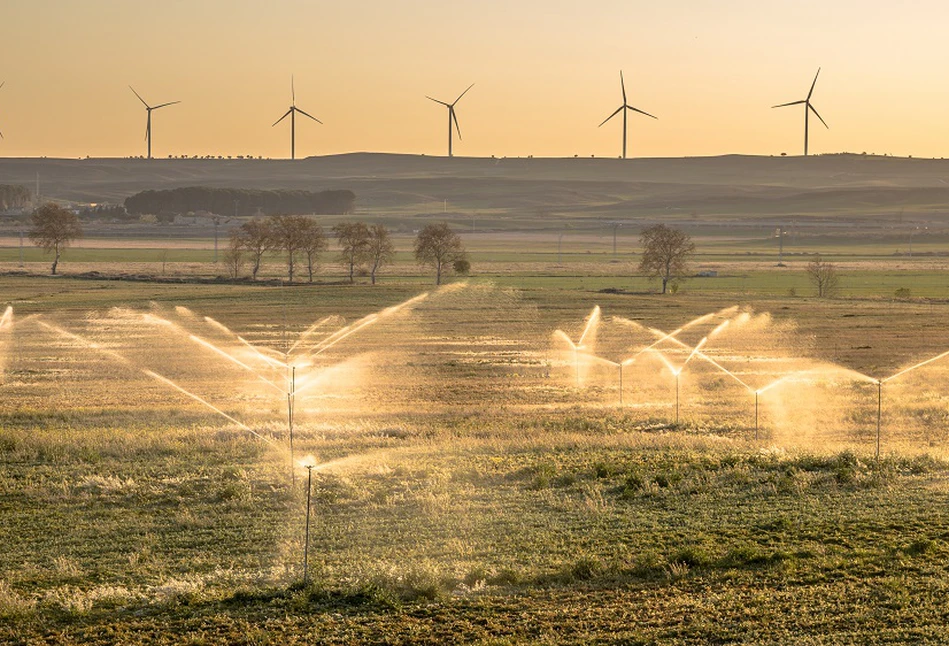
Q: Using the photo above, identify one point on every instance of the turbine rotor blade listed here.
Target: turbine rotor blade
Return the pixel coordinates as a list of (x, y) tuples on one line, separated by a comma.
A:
[(454, 117), (307, 115), (784, 105), (139, 97), (162, 105), (1, 135), (622, 84), (814, 110), (618, 110), (462, 94), (3, 83), (285, 115), (437, 101), (813, 84), (641, 112)]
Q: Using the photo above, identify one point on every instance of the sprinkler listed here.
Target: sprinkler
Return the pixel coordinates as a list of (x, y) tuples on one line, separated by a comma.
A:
[(589, 330), (622, 364), (879, 414), (291, 401), (757, 392), (880, 382), (306, 539), (576, 361)]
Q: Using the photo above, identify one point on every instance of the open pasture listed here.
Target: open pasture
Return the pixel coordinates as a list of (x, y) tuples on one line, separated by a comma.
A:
[(477, 477)]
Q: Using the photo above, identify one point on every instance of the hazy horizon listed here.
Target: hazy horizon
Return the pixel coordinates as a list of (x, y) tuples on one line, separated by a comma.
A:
[(545, 75)]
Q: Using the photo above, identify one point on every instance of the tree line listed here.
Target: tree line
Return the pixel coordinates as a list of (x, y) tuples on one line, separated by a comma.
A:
[(361, 246), (240, 202), (667, 251), (14, 196)]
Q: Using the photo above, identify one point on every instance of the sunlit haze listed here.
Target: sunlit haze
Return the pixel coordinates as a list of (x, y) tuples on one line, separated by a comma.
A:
[(546, 74)]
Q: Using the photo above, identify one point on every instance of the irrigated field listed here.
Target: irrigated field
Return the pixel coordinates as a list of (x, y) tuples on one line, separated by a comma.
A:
[(476, 477)]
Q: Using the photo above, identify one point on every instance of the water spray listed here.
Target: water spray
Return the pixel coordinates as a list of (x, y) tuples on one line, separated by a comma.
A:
[(880, 382), (157, 377), (592, 320), (678, 371)]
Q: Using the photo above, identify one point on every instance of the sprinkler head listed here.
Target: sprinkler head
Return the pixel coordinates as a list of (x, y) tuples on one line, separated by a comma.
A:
[(308, 462)]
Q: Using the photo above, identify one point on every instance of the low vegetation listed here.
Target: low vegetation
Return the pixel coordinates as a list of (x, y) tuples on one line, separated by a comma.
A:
[(516, 508)]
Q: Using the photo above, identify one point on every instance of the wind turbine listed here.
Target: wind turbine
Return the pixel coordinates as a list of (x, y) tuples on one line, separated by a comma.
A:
[(624, 109), (292, 112), (148, 123), (808, 108), (2, 83), (451, 115)]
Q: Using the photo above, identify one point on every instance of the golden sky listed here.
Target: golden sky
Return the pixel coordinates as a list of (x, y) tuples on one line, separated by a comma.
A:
[(546, 73)]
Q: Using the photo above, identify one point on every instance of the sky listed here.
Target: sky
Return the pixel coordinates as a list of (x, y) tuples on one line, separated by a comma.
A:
[(546, 73)]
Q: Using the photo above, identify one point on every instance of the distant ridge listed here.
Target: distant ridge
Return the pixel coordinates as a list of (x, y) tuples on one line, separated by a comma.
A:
[(420, 182)]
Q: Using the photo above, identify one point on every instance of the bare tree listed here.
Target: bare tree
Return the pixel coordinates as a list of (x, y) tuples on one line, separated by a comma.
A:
[(312, 244), (380, 249), (666, 253), (437, 246), (287, 235), (53, 229), (823, 275), (353, 241), (234, 259), (256, 236)]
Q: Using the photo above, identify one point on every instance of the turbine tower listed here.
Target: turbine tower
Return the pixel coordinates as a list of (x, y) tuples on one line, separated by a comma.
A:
[(148, 123), (2, 83), (808, 108), (292, 113), (451, 115), (625, 110)]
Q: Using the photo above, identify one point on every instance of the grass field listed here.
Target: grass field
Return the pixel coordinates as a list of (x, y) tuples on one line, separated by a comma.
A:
[(467, 489)]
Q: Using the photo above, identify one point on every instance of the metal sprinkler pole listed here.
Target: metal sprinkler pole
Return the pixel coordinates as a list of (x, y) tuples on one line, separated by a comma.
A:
[(306, 540), (291, 395), (879, 414), (677, 399), (756, 415), (620, 383), (576, 361)]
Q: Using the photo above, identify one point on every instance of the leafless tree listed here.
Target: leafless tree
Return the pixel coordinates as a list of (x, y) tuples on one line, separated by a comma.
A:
[(287, 235), (312, 244), (234, 259), (380, 250), (53, 228), (823, 275), (353, 241), (257, 237), (437, 246), (666, 253)]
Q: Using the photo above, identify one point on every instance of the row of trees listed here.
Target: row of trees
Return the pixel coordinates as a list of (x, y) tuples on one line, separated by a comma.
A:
[(240, 202), (360, 245), (667, 251), (14, 196)]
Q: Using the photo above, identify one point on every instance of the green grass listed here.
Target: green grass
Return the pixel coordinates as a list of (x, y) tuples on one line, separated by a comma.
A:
[(477, 500)]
